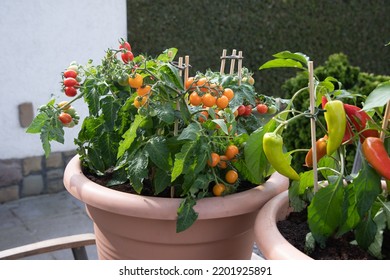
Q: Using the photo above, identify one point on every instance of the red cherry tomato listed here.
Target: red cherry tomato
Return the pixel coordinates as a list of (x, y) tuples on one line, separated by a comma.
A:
[(262, 108), (125, 45), (65, 118), (241, 110), (70, 74), (70, 82), (127, 56), (70, 91), (248, 110)]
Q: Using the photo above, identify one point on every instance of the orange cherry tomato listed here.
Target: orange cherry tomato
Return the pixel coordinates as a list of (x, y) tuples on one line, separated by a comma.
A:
[(229, 93), (231, 151), (218, 189), (208, 100), (222, 102), (215, 159), (195, 99), (136, 81), (231, 176), (143, 90)]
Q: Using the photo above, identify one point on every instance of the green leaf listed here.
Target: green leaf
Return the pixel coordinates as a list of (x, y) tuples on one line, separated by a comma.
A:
[(222, 125), (158, 152), (129, 135), (138, 170), (365, 232), (306, 181), (110, 110), (378, 97), (45, 142), (325, 211), (375, 247), (191, 132), (386, 209), (183, 159), (170, 75), (161, 181), (282, 63), (92, 99), (296, 202), (186, 214), (38, 122), (368, 187), (294, 56), (165, 57), (108, 147), (165, 113)]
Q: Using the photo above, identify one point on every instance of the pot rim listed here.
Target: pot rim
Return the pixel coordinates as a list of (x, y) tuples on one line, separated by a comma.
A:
[(78, 185), (270, 241)]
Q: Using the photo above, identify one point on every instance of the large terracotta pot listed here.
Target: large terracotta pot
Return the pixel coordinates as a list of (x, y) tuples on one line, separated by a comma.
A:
[(131, 226), (268, 238)]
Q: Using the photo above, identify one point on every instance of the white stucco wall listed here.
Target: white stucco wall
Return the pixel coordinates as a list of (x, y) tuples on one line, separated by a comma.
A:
[(38, 40)]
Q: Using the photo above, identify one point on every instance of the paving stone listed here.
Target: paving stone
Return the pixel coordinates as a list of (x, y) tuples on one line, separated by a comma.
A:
[(54, 160), (54, 186), (32, 185), (10, 172), (68, 155), (32, 164), (9, 193), (55, 174)]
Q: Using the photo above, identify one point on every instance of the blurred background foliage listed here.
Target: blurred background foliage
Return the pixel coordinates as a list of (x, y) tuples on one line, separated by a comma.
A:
[(345, 39), (203, 28)]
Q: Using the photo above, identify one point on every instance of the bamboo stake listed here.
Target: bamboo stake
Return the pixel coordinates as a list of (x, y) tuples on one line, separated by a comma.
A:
[(232, 62), (223, 61), (240, 57), (385, 123), (313, 124)]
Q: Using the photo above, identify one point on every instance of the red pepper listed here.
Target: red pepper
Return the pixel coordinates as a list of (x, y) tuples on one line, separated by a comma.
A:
[(359, 119), (376, 155)]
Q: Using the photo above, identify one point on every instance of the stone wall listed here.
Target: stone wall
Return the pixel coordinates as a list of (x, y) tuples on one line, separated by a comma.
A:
[(32, 175)]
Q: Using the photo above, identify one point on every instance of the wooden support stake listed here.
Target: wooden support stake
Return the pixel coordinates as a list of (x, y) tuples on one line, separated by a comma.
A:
[(240, 57), (223, 61), (232, 62), (313, 123)]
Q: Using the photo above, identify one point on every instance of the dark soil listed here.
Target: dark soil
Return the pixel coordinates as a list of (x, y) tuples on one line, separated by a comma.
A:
[(295, 228)]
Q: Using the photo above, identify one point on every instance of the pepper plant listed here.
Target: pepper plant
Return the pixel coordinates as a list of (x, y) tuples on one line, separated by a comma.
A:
[(158, 134), (346, 201)]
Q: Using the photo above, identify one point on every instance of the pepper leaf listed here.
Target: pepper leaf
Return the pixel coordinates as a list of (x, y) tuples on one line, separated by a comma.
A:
[(378, 97)]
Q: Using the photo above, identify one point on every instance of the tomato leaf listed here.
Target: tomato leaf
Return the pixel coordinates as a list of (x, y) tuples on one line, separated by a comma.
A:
[(325, 211), (165, 113), (191, 132), (129, 135), (168, 55), (37, 123), (158, 152), (183, 158), (186, 214), (138, 170), (378, 97), (110, 110), (161, 181)]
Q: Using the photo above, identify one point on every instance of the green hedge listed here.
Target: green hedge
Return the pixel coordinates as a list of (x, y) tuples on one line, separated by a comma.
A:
[(203, 28)]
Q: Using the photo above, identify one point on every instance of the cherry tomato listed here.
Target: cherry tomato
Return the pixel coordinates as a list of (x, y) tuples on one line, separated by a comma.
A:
[(208, 100), (231, 151), (223, 162), (125, 45), (65, 118), (215, 159), (70, 82), (262, 108), (241, 110), (231, 176), (222, 102), (189, 82), (195, 99), (136, 81), (203, 116), (140, 101), (127, 56), (70, 74), (70, 91), (143, 90), (248, 110), (228, 92), (218, 189), (64, 105)]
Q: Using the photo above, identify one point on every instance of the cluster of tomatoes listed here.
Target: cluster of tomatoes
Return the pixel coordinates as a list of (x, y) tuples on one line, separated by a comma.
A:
[(143, 91), (68, 116), (261, 108), (126, 53), (70, 80), (221, 162)]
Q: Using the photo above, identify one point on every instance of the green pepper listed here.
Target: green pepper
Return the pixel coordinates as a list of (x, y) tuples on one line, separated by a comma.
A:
[(273, 149), (336, 122)]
